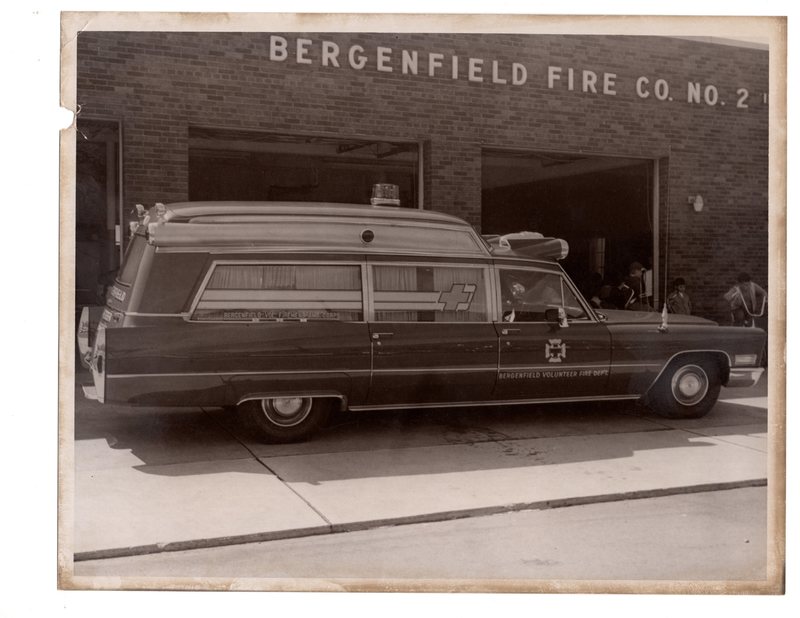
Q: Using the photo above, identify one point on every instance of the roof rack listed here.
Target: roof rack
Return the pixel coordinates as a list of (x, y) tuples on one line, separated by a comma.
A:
[(309, 226), (527, 244)]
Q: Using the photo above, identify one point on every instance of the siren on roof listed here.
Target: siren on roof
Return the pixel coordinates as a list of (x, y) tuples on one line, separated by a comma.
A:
[(385, 194), (528, 244)]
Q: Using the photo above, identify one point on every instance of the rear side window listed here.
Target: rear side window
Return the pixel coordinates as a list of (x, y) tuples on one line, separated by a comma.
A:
[(133, 256), (407, 293), (276, 292)]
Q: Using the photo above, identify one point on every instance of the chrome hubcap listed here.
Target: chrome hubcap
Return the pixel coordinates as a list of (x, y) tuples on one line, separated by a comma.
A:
[(689, 385), (286, 411)]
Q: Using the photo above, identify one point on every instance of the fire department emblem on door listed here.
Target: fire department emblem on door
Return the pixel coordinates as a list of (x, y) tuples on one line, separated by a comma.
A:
[(555, 351)]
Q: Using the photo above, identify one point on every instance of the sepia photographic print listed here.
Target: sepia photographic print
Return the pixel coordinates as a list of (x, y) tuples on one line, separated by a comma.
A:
[(423, 303)]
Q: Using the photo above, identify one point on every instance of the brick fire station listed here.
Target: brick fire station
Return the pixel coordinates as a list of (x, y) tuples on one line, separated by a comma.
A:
[(632, 148)]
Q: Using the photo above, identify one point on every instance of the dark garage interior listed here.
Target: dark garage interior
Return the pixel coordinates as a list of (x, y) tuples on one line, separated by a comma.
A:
[(602, 206)]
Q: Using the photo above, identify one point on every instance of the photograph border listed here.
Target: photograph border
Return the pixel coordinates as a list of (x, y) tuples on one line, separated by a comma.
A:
[(772, 30)]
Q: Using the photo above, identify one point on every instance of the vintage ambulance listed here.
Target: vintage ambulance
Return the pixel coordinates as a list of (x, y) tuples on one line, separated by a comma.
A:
[(290, 310)]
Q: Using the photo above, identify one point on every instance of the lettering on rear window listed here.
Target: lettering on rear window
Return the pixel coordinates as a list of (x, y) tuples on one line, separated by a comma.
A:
[(248, 292)]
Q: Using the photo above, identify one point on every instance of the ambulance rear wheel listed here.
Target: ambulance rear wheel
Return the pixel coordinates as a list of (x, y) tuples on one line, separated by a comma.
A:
[(285, 419), (687, 389)]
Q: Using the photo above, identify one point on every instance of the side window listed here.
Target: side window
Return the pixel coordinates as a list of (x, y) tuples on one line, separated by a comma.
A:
[(408, 293), (275, 292), (527, 294)]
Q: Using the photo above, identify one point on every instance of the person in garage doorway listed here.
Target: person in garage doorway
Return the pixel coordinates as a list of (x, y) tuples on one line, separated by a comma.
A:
[(679, 301), (747, 301), (634, 289)]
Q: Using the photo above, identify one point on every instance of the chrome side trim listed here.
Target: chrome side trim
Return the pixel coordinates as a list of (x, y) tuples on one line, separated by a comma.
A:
[(504, 402), (683, 353), (222, 249), (237, 373), (436, 370), (615, 366), (555, 366), (356, 372), (140, 314), (303, 394)]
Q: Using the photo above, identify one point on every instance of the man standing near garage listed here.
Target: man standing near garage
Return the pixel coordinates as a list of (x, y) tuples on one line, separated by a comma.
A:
[(634, 289)]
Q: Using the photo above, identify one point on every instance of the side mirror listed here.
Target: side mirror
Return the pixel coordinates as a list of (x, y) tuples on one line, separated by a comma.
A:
[(557, 316)]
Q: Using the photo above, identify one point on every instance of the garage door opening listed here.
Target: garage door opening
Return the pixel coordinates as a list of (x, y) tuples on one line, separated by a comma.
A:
[(602, 206), (243, 165)]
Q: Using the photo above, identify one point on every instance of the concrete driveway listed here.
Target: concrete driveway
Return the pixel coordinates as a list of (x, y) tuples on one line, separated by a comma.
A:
[(148, 480)]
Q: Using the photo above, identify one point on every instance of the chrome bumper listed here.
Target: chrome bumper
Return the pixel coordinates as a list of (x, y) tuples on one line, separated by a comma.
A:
[(744, 376), (89, 391)]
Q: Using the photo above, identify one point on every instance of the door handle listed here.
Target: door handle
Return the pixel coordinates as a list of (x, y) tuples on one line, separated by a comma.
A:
[(508, 331), (377, 336)]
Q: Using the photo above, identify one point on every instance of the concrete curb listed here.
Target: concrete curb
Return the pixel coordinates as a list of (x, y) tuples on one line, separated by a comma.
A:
[(259, 537)]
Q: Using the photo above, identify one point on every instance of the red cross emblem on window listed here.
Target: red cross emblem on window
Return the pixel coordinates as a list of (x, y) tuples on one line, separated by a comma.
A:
[(459, 298)]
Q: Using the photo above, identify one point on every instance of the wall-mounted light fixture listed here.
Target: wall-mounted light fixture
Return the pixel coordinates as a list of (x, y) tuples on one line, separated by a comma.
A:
[(697, 202)]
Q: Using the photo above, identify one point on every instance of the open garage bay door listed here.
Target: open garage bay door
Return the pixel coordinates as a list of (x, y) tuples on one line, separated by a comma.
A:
[(226, 164), (602, 206)]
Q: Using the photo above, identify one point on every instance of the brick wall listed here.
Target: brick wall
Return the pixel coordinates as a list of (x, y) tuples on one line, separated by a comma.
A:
[(159, 84)]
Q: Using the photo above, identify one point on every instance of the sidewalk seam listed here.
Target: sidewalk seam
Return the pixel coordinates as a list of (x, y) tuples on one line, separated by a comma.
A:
[(260, 537), (270, 470)]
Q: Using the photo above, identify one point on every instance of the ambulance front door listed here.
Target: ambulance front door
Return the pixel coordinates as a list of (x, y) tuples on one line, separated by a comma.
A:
[(550, 346)]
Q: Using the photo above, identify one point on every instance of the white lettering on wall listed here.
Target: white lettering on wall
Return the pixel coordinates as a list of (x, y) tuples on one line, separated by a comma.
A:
[(277, 48), (742, 94), (330, 54), (553, 74), (693, 90), (609, 81), (579, 80), (356, 57), (711, 95), (475, 67), (384, 58), (519, 74), (641, 87), (410, 62), (661, 90), (302, 51), (590, 81), (434, 62), (496, 79)]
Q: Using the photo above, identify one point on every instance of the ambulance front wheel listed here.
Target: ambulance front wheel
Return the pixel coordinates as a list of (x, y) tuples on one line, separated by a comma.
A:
[(285, 419), (689, 388)]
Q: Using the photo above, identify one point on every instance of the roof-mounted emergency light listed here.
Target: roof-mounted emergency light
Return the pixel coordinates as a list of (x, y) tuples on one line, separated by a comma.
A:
[(385, 194)]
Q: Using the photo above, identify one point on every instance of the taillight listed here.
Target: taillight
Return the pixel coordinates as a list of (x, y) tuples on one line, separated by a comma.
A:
[(110, 318), (83, 337)]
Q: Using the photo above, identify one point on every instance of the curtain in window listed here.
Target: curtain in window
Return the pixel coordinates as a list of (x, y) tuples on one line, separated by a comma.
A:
[(285, 277), (395, 279)]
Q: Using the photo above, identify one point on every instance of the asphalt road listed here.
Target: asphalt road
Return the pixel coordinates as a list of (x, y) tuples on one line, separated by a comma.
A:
[(708, 536)]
